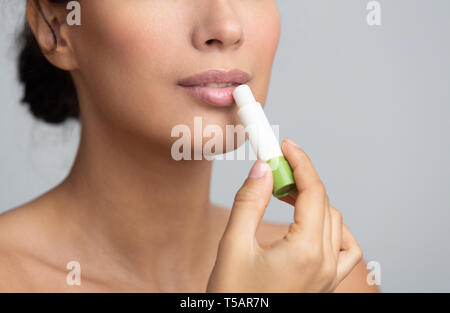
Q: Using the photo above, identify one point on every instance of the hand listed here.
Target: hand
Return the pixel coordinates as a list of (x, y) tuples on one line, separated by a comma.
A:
[(316, 254)]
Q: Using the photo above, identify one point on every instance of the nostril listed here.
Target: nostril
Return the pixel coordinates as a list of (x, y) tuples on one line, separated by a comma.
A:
[(210, 41)]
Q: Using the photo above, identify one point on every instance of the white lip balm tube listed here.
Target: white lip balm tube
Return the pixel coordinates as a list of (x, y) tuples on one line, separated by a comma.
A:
[(263, 140)]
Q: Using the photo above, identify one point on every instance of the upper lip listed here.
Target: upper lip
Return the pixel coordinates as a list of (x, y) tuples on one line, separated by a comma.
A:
[(216, 76)]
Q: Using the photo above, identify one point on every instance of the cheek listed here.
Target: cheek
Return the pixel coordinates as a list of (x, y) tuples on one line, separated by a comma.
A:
[(265, 25), (124, 54), (125, 42)]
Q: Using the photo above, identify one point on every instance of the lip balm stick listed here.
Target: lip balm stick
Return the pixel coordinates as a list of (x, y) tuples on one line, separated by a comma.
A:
[(263, 140)]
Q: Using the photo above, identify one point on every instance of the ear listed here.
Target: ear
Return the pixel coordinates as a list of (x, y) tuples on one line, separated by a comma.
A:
[(48, 24)]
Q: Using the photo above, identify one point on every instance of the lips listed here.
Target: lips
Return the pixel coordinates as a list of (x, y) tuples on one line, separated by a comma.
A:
[(215, 87)]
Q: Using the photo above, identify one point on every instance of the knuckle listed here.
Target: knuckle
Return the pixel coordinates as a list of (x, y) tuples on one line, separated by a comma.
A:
[(302, 155), (358, 254), (356, 250), (294, 228), (292, 235), (318, 189), (336, 213)]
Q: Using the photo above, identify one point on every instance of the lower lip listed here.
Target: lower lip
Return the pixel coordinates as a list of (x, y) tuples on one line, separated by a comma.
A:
[(218, 97)]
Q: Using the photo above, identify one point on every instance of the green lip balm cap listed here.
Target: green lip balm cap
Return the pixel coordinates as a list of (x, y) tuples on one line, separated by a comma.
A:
[(283, 179)]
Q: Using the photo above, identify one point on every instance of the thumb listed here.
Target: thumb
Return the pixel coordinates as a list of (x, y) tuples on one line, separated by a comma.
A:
[(250, 203)]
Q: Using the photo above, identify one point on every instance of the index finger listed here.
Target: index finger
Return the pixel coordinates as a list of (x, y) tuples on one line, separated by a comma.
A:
[(310, 202)]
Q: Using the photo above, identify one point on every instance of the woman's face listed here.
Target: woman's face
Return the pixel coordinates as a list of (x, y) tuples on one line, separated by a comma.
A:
[(132, 54)]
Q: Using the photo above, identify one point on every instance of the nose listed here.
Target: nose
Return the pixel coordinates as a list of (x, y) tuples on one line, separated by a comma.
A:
[(219, 27)]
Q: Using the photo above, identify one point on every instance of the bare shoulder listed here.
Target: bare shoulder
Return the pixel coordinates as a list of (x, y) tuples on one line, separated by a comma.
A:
[(21, 237), (18, 223), (269, 232), (11, 267)]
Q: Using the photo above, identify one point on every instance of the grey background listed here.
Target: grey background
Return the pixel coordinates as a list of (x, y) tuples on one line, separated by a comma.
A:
[(370, 105)]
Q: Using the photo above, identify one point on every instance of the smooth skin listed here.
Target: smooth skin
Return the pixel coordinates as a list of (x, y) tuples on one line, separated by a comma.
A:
[(133, 217)]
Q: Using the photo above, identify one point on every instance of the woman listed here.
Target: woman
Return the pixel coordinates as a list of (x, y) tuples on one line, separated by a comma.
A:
[(132, 217)]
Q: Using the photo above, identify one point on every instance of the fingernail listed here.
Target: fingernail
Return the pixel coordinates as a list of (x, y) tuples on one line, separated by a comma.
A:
[(291, 142), (258, 169)]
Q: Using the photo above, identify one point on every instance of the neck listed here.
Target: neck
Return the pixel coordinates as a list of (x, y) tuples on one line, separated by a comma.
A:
[(132, 198)]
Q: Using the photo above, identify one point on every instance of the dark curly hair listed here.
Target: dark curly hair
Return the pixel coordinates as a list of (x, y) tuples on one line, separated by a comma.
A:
[(48, 91)]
